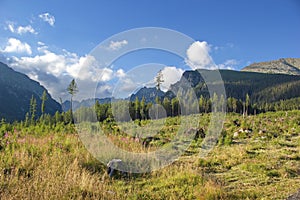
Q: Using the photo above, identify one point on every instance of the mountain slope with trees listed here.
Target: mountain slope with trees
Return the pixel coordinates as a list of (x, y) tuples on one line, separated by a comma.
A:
[(261, 87), (20, 95)]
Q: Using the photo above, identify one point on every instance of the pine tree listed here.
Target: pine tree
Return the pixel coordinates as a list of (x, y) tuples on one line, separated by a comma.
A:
[(215, 102), (159, 79), (247, 103), (234, 105), (175, 106), (72, 89), (137, 108), (221, 103), (167, 106), (44, 99), (201, 104), (32, 110), (143, 108)]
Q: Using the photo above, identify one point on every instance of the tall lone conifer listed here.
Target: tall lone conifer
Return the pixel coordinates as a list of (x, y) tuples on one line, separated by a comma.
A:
[(72, 89)]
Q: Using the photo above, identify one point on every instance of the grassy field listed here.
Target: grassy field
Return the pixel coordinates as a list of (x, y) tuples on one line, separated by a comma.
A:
[(257, 157)]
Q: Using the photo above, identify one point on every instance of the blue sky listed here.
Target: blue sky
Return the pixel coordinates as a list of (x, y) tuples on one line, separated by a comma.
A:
[(47, 40)]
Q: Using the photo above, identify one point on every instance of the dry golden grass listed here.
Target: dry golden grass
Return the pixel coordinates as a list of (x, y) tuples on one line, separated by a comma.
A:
[(255, 166)]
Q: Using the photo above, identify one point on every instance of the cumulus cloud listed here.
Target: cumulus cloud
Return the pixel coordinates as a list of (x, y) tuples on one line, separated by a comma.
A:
[(20, 29), (25, 29), (116, 45), (198, 56), (16, 46), (120, 73), (56, 70), (46, 17), (170, 76)]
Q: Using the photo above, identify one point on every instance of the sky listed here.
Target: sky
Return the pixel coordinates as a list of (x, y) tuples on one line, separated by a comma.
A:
[(55, 41)]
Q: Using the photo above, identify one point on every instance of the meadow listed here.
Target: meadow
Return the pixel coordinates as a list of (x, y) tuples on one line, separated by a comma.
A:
[(256, 157)]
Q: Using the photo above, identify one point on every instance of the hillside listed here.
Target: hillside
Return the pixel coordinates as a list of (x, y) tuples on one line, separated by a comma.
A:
[(281, 66), (16, 90), (261, 87)]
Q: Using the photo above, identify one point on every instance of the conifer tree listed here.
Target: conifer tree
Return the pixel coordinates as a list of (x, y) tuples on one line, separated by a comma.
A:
[(72, 89)]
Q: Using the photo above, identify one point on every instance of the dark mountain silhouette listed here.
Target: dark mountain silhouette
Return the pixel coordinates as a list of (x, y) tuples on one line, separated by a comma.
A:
[(148, 93), (16, 90)]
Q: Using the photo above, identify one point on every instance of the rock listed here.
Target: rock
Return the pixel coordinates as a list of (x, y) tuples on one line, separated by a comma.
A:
[(198, 132), (113, 165), (248, 131), (235, 134), (295, 196)]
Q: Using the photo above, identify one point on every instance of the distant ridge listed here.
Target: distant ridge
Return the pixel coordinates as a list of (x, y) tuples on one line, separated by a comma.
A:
[(289, 66), (66, 105)]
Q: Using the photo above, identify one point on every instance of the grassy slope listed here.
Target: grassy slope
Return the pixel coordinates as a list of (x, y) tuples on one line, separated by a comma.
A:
[(263, 164)]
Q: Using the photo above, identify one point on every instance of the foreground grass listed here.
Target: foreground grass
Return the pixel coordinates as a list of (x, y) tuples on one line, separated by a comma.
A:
[(259, 164)]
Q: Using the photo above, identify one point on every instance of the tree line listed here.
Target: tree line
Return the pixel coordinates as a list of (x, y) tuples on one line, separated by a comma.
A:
[(183, 104), (140, 110)]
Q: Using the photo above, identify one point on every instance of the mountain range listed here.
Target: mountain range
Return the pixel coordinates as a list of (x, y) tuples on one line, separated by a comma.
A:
[(16, 90), (264, 82)]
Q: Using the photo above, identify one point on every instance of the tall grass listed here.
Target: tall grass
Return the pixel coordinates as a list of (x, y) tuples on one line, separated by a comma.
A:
[(54, 164)]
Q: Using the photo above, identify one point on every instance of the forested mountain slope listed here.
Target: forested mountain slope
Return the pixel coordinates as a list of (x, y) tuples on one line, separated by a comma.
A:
[(16, 91)]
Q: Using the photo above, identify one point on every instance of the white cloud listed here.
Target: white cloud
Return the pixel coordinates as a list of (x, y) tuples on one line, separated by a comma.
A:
[(25, 29), (120, 73), (198, 56), (55, 70), (228, 64), (127, 85), (16, 46), (117, 45), (20, 29), (46, 17), (130, 82), (170, 76), (40, 43), (87, 68), (42, 48)]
